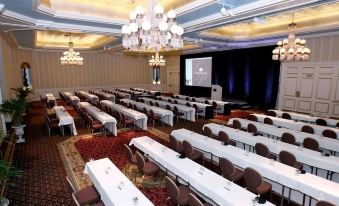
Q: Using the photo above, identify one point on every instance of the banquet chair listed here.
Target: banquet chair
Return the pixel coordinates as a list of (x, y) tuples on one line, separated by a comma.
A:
[(307, 129), (188, 104), (168, 107), (99, 204), (194, 201), (321, 122), (262, 150), (268, 120), (192, 153), (229, 171), (329, 133), (289, 159), (153, 117), (271, 113), (206, 101), (94, 124), (288, 138), (144, 110), (132, 158), (236, 124), (208, 132), (125, 122), (86, 196), (223, 136), (175, 144), (157, 104), (175, 101), (197, 110), (252, 118), (178, 195), (147, 168), (51, 123), (187, 99), (193, 99), (310, 143), (286, 115), (151, 103), (251, 128), (337, 125), (170, 101), (324, 203), (216, 108), (255, 183), (178, 114)]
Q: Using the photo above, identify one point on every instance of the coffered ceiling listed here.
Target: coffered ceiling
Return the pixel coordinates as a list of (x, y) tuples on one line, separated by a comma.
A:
[(96, 24)]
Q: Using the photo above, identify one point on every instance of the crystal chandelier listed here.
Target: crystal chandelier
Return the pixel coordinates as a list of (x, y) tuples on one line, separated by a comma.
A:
[(152, 31), (71, 57), (292, 48), (157, 60)]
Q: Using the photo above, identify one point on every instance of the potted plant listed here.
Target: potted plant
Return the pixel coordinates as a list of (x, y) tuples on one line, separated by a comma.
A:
[(16, 107)]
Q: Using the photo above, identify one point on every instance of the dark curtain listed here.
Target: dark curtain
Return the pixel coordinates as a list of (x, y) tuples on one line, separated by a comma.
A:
[(245, 74)]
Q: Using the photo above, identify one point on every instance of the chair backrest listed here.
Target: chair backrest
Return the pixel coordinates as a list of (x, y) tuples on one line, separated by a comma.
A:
[(215, 105), (223, 136), (193, 99), (329, 133), (187, 99), (151, 103), (140, 161), (195, 107), (175, 110), (252, 178), (188, 149), (227, 168), (128, 152), (207, 102), (208, 132), (157, 104), (173, 142), (286, 115), (261, 149), (321, 122), (176, 102), (168, 107), (169, 100), (251, 117), (324, 203), (144, 110), (151, 113), (287, 158), (268, 120), (337, 125), (172, 190), (188, 104), (193, 200), (251, 128), (236, 124), (271, 113), (311, 143), (307, 129), (288, 138)]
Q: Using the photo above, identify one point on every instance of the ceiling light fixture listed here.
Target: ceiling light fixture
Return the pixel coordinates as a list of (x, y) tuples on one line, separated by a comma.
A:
[(292, 48), (152, 31), (71, 57), (157, 60)]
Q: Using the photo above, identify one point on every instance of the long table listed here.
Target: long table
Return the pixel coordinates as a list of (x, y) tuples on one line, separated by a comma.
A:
[(309, 184), (93, 98), (306, 118), (121, 95), (104, 96), (324, 142), (74, 99), (207, 109), (140, 119), (114, 187), (107, 120), (166, 115), (65, 119), (225, 106), (189, 112), (153, 93), (210, 185), (295, 125), (306, 156)]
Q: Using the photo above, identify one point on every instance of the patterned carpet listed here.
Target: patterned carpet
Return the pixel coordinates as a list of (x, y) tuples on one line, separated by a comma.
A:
[(47, 160)]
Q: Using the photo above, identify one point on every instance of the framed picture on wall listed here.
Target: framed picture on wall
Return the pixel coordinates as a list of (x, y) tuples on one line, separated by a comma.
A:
[(26, 76), (156, 74)]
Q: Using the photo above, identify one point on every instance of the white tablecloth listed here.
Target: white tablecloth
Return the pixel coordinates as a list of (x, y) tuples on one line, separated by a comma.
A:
[(324, 142), (106, 96), (306, 156), (295, 125), (166, 115), (114, 187), (306, 118), (74, 99), (309, 184), (65, 118), (183, 102), (209, 184), (94, 99), (188, 111), (140, 119), (107, 120)]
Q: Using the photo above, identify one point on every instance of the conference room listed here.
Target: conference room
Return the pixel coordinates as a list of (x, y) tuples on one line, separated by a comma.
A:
[(169, 102)]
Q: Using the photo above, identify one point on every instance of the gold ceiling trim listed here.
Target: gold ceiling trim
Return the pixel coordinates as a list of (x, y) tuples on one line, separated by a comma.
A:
[(315, 18), (58, 40)]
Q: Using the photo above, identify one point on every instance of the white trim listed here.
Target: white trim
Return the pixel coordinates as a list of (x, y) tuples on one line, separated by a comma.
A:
[(193, 6)]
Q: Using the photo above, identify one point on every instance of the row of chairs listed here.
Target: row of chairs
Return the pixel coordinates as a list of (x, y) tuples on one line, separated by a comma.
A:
[(306, 128), (285, 115)]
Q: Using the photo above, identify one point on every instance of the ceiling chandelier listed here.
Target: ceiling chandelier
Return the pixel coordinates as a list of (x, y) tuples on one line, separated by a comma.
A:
[(292, 48), (157, 60), (71, 57), (152, 31)]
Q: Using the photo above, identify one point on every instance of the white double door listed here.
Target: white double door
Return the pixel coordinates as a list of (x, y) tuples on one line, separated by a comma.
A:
[(310, 87)]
